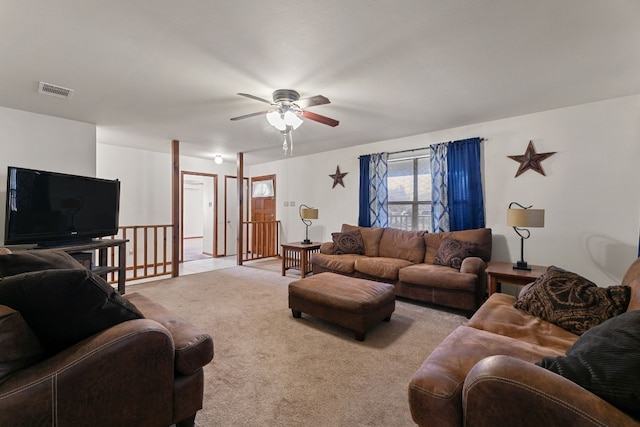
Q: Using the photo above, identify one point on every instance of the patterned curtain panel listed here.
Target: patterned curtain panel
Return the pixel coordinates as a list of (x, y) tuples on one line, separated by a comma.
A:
[(439, 193), (457, 200), (373, 210), (378, 192)]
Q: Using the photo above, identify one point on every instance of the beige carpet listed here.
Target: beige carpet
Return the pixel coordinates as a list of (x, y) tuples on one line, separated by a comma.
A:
[(270, 369)]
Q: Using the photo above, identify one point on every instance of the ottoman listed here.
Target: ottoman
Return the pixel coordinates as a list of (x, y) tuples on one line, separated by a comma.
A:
[(353, 303)]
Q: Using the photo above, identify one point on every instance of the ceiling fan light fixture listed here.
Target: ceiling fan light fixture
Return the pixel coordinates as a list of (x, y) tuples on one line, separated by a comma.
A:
[(276, 120), (292, 119)]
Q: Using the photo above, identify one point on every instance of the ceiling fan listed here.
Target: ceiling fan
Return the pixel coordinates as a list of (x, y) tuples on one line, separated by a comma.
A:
[(288, 101)]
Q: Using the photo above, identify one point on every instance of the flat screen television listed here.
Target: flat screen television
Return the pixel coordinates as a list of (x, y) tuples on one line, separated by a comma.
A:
[(50, 208)]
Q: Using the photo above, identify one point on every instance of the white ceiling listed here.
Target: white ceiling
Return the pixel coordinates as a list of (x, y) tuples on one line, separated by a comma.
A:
[(146, 72)]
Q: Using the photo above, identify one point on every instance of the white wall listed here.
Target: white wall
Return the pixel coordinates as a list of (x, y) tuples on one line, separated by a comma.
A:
[(43, 142), (592, 205), (146, 183)]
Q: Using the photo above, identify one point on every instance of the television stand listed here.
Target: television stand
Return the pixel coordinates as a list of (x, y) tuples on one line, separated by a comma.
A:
[(101, 267)]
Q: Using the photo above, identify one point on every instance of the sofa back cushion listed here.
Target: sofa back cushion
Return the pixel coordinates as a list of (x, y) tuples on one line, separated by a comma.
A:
[(407, 245), (371, 237), (480, 236)]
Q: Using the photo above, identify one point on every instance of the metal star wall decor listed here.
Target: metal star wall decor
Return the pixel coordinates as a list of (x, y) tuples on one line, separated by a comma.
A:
[(531, 160), (337, 177)]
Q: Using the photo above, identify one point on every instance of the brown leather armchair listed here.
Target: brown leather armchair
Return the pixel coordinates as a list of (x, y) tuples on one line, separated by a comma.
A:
[(143, 372)]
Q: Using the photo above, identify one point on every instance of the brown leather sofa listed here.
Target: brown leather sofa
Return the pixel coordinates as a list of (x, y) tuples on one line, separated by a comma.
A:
[(485, 374), (406, 259), (144, 372), (74, 352)]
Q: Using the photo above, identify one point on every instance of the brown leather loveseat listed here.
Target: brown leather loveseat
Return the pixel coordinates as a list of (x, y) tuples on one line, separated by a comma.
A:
[(509, 367), (60, 365), (447, 269)]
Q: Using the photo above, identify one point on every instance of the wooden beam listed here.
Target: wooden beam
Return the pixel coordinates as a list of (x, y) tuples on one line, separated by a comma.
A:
[(175, 208), (240, 180)]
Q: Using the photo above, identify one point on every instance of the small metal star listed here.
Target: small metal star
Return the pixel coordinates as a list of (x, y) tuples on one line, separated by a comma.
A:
[(337, 177), (531, 160)]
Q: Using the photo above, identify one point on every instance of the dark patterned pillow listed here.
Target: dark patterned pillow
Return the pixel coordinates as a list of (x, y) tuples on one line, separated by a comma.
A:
[(605, 360), (571, 301), (451, 252), (349, 242)]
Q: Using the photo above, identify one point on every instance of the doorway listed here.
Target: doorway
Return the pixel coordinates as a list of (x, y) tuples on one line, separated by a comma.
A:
[(231, 223), (199, 205)]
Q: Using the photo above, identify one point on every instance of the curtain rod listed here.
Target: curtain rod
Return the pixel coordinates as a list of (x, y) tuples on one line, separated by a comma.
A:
[(419, 149)]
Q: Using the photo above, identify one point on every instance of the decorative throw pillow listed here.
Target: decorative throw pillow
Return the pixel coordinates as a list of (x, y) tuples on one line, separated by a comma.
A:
[(571, 301), (606, 360), (28, 261), (348, 242), (20, 347), (63, 307), (451, 252)]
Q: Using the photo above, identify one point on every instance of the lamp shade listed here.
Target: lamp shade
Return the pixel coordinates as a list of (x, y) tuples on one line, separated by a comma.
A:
[(309, 213), (525, 217)]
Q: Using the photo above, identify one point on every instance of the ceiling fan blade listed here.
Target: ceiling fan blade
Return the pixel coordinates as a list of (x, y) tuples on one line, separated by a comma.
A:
[(311, 101), (257, 98), (246, 116), (321, 119)]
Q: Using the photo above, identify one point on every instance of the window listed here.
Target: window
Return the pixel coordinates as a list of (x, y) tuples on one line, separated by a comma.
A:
[(409, 185)]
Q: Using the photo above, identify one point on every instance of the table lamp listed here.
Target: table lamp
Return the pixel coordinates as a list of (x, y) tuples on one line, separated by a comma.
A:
[(519, 219), (306, 215)]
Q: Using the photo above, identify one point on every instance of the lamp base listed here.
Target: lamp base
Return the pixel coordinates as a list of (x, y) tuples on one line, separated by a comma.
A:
[(521, 265), (306, 242)]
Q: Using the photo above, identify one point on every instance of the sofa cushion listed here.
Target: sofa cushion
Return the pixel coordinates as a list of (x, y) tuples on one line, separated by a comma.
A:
[(20, 346), (498, 315), (438, 276), (481, 236), (63, 307), (571, 301), (348, 242), (344, 264), (452, 252), (381, 268), (606, 360), (371, 237), (36, 260), (402, 244)]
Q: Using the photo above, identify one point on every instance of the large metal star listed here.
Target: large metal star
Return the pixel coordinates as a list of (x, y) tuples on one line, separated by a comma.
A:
[(337, 177), (531, 160)]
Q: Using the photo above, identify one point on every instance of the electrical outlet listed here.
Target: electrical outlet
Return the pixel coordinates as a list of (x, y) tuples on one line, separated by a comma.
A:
[(286, 204), (292, 203)]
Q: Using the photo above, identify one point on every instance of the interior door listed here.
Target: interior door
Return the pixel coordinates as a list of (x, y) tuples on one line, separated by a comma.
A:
[(231, 213), (263, 215)]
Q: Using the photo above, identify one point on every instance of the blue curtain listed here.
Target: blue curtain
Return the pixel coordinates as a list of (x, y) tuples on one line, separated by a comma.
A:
[(364, 219), (373, 191), (457, 200)]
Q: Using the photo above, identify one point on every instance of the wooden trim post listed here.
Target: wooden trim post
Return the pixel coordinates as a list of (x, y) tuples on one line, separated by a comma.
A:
[(175, 208), (240, 180)]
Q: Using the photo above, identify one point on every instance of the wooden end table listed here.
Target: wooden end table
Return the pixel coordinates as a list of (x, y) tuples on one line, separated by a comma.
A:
[(296, 256), (503, 272)]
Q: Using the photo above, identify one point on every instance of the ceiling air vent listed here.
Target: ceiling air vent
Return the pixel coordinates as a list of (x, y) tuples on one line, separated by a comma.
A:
[(54, 90)]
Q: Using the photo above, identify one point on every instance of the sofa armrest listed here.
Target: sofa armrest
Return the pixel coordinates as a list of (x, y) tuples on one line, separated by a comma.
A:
[(474, 265), (327, 248), (129, 367), (502, 390)]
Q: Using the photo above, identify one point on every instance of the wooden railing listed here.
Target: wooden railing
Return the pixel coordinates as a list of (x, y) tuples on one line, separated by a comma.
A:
[(149, 247), (148, 251), (261, 239)]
